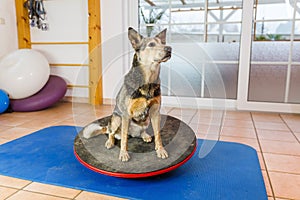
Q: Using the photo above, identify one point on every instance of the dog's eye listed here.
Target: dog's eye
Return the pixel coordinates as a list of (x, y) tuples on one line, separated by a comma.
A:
[(151, 44)]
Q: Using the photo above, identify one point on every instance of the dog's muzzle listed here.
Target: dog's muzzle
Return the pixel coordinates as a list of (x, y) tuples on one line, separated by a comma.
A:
[(168, 49), (168, 53)]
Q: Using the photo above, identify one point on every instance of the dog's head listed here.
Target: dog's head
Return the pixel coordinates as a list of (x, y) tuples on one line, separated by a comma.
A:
[(149, 50)]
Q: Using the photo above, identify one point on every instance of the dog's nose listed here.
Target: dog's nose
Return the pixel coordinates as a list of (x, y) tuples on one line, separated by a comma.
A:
[(167, 48)]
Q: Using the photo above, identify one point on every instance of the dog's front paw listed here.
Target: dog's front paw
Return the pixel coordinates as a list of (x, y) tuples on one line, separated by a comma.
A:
[(162, 153), (109, 144), (124, 156)]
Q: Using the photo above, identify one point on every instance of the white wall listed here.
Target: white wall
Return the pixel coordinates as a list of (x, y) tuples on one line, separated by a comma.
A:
[(68, 22), (8, 31), (116, 17), (112, 45), (73, 26)]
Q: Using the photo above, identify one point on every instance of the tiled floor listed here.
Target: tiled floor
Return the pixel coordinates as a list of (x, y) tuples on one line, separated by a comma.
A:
[(276, 137)]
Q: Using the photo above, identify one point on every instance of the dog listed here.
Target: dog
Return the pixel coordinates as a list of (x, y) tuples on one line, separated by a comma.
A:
[(138, 101)]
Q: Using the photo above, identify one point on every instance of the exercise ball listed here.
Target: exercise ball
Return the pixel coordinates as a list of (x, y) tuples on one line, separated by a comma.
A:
[(4, 101), (54, 90), (23, 73)]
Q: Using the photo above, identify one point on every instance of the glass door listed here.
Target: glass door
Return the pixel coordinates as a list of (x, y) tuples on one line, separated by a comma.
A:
[(272, 78), (274, 71)]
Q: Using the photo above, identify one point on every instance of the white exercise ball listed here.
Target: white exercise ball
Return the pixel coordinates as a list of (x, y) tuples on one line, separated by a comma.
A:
[(23, 73)]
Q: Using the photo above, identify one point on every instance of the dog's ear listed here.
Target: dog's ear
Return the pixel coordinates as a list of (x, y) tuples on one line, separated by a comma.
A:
[(135, 38), (162, 36)]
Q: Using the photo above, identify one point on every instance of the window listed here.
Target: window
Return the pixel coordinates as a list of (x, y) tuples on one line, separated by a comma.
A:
[(275, 60), (205, 36)]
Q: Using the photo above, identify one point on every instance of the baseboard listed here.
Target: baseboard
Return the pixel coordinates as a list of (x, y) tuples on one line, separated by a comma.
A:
[(75, 99)]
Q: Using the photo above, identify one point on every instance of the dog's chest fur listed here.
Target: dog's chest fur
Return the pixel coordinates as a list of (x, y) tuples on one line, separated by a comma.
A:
[(137, 79), (151, 73)]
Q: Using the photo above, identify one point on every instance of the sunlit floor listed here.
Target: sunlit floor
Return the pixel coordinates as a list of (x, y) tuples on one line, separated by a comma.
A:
[(276, 137)]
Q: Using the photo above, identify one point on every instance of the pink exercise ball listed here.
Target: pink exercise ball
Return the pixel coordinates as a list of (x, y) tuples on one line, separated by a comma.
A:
[(23, 73)]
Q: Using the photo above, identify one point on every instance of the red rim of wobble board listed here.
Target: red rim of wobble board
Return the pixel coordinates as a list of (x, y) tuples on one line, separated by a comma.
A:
[(139, 175)]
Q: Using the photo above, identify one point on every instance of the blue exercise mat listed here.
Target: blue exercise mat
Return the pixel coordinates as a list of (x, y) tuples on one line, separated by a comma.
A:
[(229, 171)]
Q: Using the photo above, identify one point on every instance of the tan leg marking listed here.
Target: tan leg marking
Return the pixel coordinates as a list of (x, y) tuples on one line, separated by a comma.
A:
[(155, 120), (124, 156), (114, 125)]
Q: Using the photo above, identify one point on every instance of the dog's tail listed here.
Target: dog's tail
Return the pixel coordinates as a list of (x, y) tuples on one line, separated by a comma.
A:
[(93, 130)]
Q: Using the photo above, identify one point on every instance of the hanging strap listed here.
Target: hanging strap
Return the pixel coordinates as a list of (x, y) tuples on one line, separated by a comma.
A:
[(36, 13), (39, 9)]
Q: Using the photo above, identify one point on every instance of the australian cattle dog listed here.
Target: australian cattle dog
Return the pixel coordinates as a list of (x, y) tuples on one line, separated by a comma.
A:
[(139, 99)]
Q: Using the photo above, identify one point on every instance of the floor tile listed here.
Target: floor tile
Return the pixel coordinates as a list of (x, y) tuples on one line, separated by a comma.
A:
[(207, 136), (12, 120), (261, 161), (214, 121), (165, 110), (238, 115), (203, 120), (52, 190), (278, 135), (282, 163), (205, 129), (2, 141), (247, 141), (83, 120), (13, 182), (39, 124), (266, 117), (285, 185), (238, 123), (267, 183), (295, 126), (284, 136), (4, 127), (6, 192), (24, 195), (292, 118), (15, 132), (278, 147), (68, 122), (208, 117), (271, 126), (102, 114), (97, 113), (238, 132), (297, 135), (182, 112), (27, 115), (207, 113), (185, 118), (93, 196)]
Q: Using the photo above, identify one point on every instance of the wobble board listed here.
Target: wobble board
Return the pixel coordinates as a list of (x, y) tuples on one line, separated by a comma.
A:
[(178, 139)]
